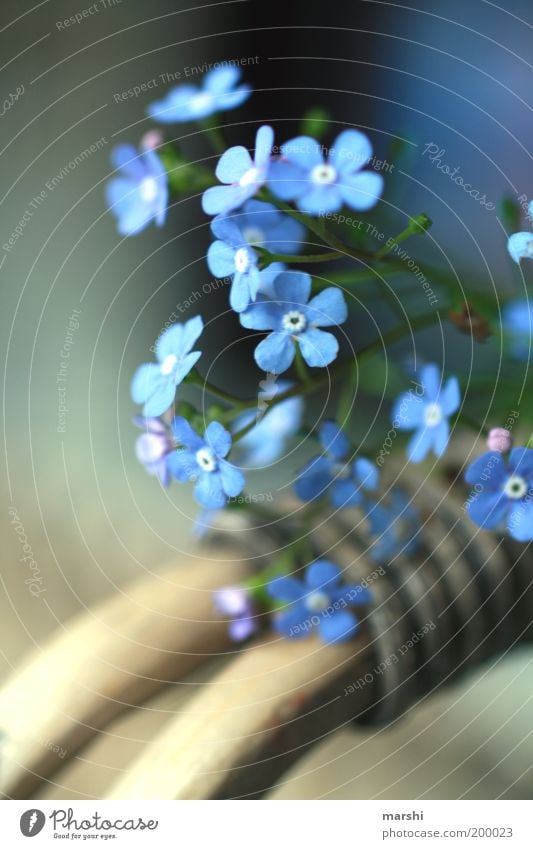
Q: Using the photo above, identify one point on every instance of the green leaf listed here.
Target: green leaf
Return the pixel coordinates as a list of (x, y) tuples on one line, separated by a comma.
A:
[(315, 122)]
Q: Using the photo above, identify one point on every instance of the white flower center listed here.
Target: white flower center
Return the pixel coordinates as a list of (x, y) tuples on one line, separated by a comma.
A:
[(515, 487), (323, 174), (253, 235), (168, 364), (341, 470), (433, 415), (293, 321), (206, 459), (148, 189), (249, 177), (242, 260), (201, 100), (317, 601)]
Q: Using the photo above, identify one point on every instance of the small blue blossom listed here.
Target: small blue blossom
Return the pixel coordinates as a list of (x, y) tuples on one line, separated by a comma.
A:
[(140, 194), (266, 442), (427, 413), (293, 321), (502, 492), (153, 446), (202, 460), (231, 255), (218, 93), (335, 473), (320, 185), (264, 225), (394, 527), (517, 323), (241, 175), (520, 245), (154, 384), (236, 603), (319, 601)]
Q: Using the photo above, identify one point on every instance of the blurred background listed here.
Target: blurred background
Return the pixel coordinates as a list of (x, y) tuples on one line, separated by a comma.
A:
[(452, 74)]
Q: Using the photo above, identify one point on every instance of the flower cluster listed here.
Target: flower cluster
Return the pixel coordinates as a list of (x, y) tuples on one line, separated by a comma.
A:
[(264, 203)]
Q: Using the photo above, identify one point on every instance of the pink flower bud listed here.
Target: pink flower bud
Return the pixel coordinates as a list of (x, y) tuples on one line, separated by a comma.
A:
[(151, 140), (499, 439)]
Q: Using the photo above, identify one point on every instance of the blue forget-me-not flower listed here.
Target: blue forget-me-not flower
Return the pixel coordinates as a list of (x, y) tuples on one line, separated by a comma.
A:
[(140, 194), (154, 384)]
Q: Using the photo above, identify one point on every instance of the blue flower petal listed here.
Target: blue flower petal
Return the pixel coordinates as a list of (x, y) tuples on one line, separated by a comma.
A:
[(218, 438), (145, 381), (489, 469), (233, 164), (408, 411), (441, 436), (285, 237), (304, 151), (420, 443), (361, 191), (334, 440), (125, 158), (178, 339), (286, 180), (221, 259), (263, 145), (185, 435), (450, 397), (520, 246), (209, 491), (318, 347), (160, 398), (219, 199), (431, 380), (221, 80), (314, 479), (263, 315), (294, 623), (487, 509), (520, 522), (320, 199), (286, 589), (182, 465), (293, 287), (275, 353), (345, 493), (350, 151), (322, 574), (328, 308), (521, 461), (227, 229), (366, 473), (239, 296), (233, 480), (339, 628), (232, 99)]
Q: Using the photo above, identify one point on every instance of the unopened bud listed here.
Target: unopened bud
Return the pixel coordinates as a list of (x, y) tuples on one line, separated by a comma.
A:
[(499, 439), (151, 140)]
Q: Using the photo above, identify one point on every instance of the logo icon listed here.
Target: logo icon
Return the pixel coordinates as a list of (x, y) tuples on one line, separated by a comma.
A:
[(32, 822)]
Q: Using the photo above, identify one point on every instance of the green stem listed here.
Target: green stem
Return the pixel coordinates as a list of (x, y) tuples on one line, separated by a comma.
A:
[(266, 258), (197, 380), (416, 227), (215, 136)]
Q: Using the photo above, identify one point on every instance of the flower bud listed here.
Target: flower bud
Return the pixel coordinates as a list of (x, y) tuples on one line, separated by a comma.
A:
[(499, 439)]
